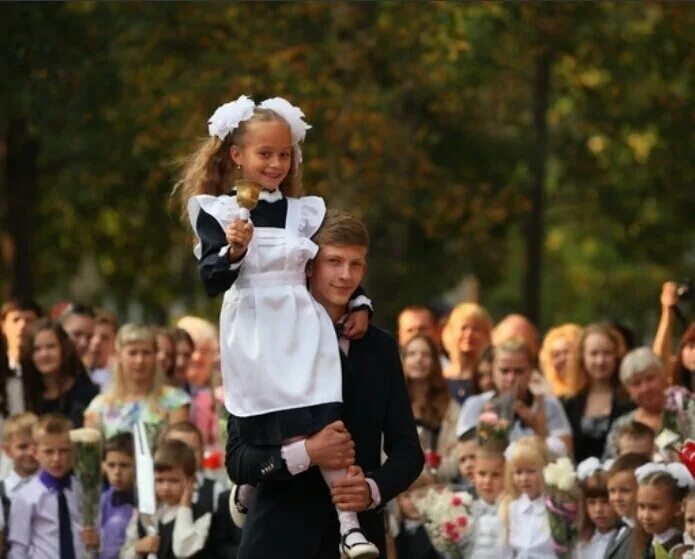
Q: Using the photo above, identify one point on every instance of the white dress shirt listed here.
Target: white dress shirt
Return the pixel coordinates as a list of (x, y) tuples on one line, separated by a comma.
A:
[(595, 547), (487, 538), (34, 530), (529, 531), (189, 535)]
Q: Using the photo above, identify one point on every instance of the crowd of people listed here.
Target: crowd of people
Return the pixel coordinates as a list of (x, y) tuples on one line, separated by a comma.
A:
[(581, 392), (302, 430)]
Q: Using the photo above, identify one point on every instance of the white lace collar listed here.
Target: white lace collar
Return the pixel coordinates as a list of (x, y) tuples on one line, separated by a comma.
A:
[(270, 195)]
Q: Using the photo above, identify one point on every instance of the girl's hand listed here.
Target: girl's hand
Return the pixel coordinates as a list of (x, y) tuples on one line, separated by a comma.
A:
[(238, 235), (148, 544), (356, 324)]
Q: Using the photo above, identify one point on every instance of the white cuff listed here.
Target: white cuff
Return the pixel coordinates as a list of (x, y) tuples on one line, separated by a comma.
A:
[(223, 252), (296, 457), (376, 496), (360, 301)]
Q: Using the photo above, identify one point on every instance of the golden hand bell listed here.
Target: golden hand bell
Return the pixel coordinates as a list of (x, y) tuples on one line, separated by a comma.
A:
[(247, 193)]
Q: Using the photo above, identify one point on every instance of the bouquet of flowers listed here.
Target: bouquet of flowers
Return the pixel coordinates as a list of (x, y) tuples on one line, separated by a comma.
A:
[(447, 518), (561, 504), (87, 467), (678, 417), (492, 428)]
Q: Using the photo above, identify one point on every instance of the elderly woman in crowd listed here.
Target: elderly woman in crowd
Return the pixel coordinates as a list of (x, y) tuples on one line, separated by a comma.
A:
[(558, 360), (530, 414), (138, 390), (602, 399), (465, 336), (55, 379), (643, 375)]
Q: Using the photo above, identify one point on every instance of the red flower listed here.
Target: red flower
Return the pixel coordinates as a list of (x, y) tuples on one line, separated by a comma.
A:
[(456, 501), (449, 527), (687, 456), (432, 459), (212, 460), (462, 521)]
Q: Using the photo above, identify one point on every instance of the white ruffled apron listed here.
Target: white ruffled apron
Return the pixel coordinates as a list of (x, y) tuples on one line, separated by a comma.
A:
[(278, 345)]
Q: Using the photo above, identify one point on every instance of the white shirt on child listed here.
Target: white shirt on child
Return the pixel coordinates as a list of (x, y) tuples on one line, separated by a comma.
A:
[(13, 483), (595, 547), (486, 541), (189, 535), (529, 531), (34, 530)]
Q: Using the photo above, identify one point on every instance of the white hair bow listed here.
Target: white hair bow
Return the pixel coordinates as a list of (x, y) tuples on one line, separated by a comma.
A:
[(587, 468), (675, 469), (227, 117)]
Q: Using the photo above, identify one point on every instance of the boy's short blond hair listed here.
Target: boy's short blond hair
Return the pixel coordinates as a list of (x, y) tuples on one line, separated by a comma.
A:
[(51, 424), (19, 424)]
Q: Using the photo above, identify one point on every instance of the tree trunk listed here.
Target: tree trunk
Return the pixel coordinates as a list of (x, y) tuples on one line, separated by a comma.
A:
[(535, 232), (20, 180)]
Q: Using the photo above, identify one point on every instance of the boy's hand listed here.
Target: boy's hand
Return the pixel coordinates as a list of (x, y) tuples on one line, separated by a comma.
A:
[(238, 235), (352, 493), (148, 544), (187, 495), (356, 324), (90, 537)]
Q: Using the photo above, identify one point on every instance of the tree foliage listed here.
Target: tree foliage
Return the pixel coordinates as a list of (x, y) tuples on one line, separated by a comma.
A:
[(422, 121)]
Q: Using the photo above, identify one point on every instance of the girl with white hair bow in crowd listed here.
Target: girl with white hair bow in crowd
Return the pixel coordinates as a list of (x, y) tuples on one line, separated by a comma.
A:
[(279, 352), (660, 494)]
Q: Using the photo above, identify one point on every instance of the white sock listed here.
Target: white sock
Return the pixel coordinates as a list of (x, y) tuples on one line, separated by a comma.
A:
[(245, 495), (347, 520)]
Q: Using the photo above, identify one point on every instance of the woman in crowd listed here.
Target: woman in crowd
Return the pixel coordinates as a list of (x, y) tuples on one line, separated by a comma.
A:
[(602, 399), (465, 336), (184, 348), (685, 359), (558, 360), (55, 379), (512, 399), (166, 352), (203, 375), (429, 395), (138, 390), (643, 375), (680, 368)]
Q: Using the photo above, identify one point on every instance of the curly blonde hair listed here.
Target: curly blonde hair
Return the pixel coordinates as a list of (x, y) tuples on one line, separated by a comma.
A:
[(571, 383)]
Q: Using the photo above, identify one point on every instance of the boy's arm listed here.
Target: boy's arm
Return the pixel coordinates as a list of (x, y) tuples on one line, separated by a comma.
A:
[(405, 459), (189, 535), (19, 538), (131, 538)]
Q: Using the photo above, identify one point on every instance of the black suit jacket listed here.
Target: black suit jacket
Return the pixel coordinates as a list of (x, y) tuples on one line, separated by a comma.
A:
[(585, 446), (293, 516)]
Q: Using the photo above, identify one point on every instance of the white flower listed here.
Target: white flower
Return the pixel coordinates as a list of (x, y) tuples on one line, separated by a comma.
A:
[(551, 475), (85, 435), (293, 115), (560, 474), (228, 116)]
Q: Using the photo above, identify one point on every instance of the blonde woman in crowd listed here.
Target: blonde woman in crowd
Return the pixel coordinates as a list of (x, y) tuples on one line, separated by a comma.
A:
[(558, 359), (138, 390)]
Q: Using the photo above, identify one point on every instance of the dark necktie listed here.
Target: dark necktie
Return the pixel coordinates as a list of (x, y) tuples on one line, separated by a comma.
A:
[(67, 546)]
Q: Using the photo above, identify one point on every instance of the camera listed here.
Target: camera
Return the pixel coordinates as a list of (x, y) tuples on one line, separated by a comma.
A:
[(685, 291)]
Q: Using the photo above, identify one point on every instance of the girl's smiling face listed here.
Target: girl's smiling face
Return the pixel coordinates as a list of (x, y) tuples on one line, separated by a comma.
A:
[(657, 511), (266, 154), (47, 352)]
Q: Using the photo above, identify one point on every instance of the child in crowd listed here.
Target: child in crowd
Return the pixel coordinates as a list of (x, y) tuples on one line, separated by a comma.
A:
[(660, 494), (118, 501), (269, 321), (599, 521), (412, 540), (523, 508), (18, 445), (50, 523), (207, 491), (486, 540), (689, 514), (465, 450), (622, 495), (635, 438), (183, 527)]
